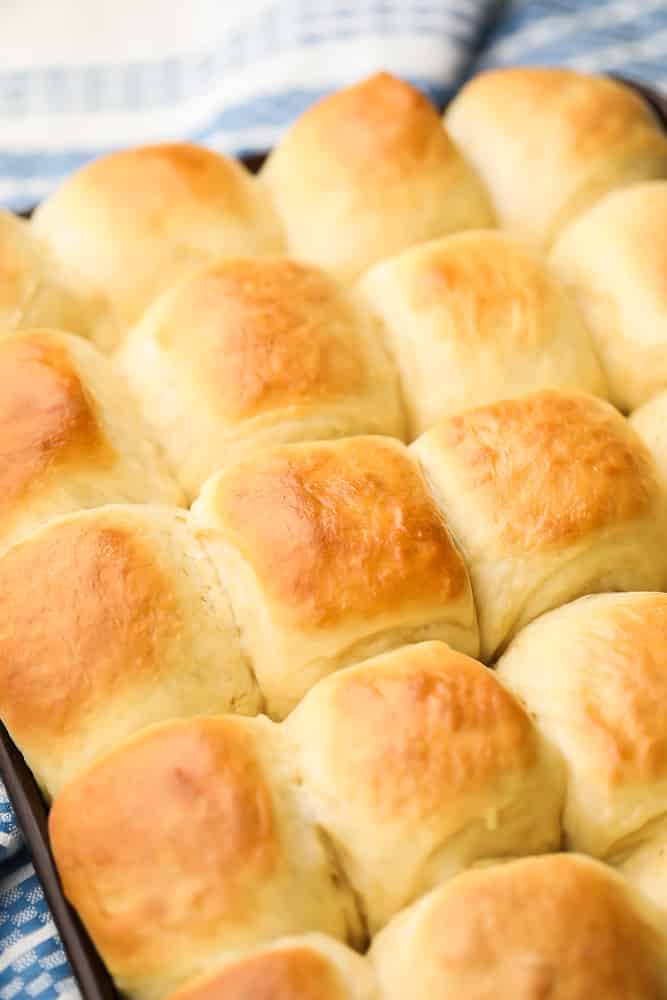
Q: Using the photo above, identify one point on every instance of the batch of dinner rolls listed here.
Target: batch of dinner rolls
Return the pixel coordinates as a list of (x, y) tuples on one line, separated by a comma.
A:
[(333, 549)]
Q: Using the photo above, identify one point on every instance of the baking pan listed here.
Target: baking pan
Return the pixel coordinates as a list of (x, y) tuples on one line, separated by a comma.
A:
[(93, 979)]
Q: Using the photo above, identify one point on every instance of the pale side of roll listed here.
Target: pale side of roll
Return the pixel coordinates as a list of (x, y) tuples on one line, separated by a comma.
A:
[(548, 143)]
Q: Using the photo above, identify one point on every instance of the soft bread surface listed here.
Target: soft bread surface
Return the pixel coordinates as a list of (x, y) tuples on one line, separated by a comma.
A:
[(32, 293), (549, 142), (209, 853), (550, 496), (650, 423), (311, 967), (474, 318), (249, 352), (126, 226), (71, 435), (559, 926), (613, 260), (331, 552), (593, 675), (368, 171), (418, 763), (644, 864), (143, 632)]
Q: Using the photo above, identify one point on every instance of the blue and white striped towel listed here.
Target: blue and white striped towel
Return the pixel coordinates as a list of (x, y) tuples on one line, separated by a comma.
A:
[(79, 78), (229, 75)]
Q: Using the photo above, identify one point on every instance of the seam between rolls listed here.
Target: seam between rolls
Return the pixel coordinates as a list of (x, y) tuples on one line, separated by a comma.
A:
[(245, 656), (340, 878)]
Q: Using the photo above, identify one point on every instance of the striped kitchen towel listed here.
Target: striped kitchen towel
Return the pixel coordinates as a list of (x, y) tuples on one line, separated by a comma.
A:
[(624, 37), (78, 79)]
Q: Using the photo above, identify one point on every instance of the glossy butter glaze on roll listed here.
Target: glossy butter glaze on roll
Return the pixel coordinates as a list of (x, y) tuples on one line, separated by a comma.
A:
[(310, 967), (550, 496), (477, 317), (71, 435), (111, 619), (249, 352), (560, 926), (368, 171), (612, 259), (549, 142), (332, 552), (417, 764), (125, 226), (188, 843)]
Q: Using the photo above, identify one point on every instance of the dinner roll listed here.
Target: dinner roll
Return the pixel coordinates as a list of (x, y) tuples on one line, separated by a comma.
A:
[(369, 171), (70, 434), (418, 763), (32, 294), (644, 863), (143, 633), (550, 496), (332, 552), (186, 843), (249, 352), (310, 967), (613, 260), (593, 675), (549, 142), (127, 225), (560, 926), (474, 318)]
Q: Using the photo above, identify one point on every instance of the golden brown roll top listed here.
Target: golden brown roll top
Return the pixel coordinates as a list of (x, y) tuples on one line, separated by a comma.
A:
[(549, 142), (141, 632), (124, 227), (369, 171), (550, 496), (418, 763), (32, 293), (593, 675), (187, 843), (249, 352), (71, 435), (560, 926), (310, 967), (613, 260), (474, 318), (332, 552)]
